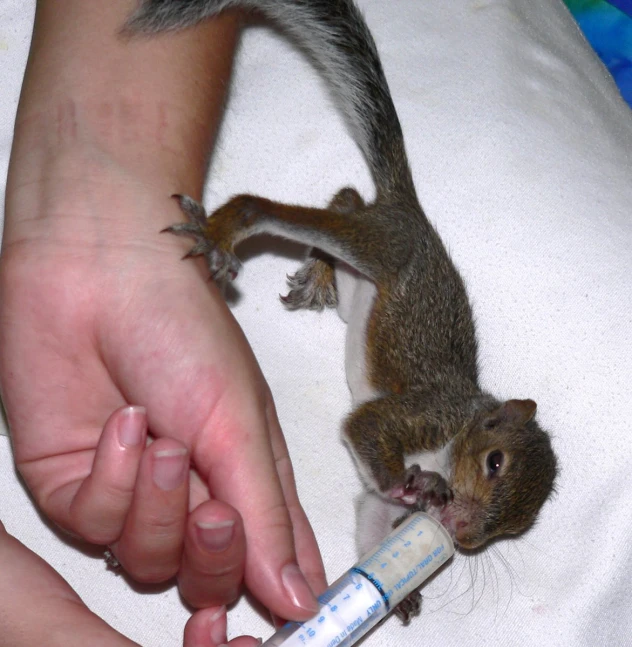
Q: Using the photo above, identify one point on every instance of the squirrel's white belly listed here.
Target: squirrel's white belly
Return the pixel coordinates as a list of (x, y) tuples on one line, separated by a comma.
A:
[(432, 461), (356, 296)]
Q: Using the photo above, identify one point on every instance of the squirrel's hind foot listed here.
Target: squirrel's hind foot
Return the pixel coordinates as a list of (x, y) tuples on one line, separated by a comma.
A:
[(409, 607), (222, 263), (312, 287)]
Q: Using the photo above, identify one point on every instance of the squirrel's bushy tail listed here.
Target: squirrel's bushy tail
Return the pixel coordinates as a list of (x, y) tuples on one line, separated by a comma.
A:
[(337, 37)]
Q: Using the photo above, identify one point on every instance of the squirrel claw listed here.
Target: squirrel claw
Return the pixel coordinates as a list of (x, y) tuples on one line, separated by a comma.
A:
[(222, 264), (409, 607), (193, 210), (311, 287), (426, 489)]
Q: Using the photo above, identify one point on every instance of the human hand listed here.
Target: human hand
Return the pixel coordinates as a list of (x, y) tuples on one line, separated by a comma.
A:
[(37, 607), (98, 313)]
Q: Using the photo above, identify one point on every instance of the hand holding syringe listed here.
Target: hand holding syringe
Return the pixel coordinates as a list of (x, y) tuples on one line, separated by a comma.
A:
[(372, 588)]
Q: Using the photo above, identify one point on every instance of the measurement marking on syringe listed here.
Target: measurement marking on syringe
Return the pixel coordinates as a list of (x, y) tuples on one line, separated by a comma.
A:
[(368, 591), (376, 583)]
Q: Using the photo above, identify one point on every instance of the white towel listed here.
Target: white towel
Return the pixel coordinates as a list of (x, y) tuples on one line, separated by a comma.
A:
[(521, 151)]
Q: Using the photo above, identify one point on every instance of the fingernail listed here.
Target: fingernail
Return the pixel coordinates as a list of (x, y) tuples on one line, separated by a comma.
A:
[(215, 536), (170, 468), (217, 628), (297, 588), (132, 426), (277, 621)]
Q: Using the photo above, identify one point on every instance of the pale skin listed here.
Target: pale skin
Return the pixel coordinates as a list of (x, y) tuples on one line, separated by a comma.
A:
[(38, 607), (108, 339)]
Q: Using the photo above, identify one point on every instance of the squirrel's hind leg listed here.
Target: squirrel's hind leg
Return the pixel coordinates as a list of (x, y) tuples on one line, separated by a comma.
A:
[(368, 244), (313, 287)]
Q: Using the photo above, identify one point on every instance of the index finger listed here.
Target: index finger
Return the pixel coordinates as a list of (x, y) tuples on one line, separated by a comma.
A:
[(309, 557), (236, 452)]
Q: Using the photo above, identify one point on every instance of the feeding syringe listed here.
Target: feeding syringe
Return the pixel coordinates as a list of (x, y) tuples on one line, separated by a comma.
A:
[(373, 587)]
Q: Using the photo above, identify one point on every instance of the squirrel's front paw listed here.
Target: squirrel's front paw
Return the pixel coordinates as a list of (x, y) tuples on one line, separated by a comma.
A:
[(424, 489), (209, 242)]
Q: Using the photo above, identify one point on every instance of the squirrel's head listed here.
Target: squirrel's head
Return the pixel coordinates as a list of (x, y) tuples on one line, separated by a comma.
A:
[(503, 470)]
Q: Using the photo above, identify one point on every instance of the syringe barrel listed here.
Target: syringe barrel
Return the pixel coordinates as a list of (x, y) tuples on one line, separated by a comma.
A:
[(373, 587)]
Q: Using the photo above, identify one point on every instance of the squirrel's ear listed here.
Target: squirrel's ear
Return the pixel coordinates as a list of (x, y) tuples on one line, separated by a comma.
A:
[(517, 412)]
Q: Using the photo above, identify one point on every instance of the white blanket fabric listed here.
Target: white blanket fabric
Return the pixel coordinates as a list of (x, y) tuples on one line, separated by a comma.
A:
[(521, 149)]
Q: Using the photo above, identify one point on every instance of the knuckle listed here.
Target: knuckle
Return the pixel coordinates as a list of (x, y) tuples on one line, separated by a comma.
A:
[(97, 527), (225, 570), (113, 501), (163, 525), (150, 573), (277, 518), (97, 536), (146, 564), (200, 599)]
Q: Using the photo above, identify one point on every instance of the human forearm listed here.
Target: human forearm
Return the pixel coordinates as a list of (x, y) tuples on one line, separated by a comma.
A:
[(143, 109)]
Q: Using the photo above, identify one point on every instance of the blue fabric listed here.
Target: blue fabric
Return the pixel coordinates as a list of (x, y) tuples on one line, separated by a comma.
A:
[(608, 28)]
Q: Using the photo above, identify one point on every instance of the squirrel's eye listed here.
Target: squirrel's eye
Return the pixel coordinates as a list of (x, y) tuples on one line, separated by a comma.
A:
[(494, 463)]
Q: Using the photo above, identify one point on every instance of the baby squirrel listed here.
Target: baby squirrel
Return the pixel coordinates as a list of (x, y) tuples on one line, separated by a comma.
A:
[(422, 432)]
